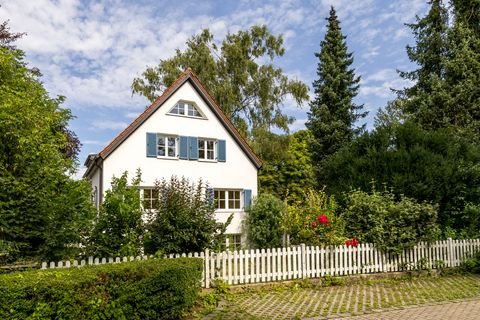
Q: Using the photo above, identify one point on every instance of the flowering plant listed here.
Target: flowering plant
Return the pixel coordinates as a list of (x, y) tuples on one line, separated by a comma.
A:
[(323, 219), (352, 242)]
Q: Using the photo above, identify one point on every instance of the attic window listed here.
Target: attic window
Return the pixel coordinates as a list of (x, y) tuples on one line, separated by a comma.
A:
[(187, 109)]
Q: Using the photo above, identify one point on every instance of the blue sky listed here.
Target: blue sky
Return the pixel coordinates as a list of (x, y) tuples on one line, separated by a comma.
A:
[(90, 51)]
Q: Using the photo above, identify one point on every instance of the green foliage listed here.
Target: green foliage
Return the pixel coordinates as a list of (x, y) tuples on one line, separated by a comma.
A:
[(118, 228), (184, 219), (250, 93), (332, 111), (152, 289), (313, 220), (471, 264), (445, 93), (289, 171), (263, 221), (35, 166), (391, 225), (434, 166)]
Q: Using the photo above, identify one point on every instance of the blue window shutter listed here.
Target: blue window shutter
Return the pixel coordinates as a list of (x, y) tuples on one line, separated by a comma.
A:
[(151, 144), (193, 148), (183, 141), (247, 198), (222, 155)]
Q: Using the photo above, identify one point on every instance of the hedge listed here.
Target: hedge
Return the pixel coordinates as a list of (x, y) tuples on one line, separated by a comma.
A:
[(150, 289)]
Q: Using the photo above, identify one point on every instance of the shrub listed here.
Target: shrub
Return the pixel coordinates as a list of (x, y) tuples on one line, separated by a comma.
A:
[(471, 264), (392, 225), (152, 289), (263, 221), (313, 220), (184, 218), (118, 227)]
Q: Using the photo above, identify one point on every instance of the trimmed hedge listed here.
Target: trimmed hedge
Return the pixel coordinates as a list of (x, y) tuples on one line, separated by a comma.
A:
[(149, 289)]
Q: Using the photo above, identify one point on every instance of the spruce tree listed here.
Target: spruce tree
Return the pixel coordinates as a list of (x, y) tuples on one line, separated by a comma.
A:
[(332, 111), (420, 100), (445, 93)]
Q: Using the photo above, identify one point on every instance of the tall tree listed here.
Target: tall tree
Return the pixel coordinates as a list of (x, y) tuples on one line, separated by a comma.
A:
[(445, 93), (468, 12), (289, 175), (430, 33), (461, 87), (250, 93), (333, 112), (34, 169)]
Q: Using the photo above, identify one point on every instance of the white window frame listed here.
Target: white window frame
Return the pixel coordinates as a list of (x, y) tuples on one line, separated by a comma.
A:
[(150, 199), (205, 150), (233, 245), (227, 199), (165, 138), (184, 107)]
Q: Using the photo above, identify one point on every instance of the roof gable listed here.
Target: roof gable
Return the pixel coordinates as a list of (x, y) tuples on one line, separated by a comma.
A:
[(189, 76)]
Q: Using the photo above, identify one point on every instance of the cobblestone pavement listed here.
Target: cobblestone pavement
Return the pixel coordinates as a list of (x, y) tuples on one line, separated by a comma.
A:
[(378, 299), (465, 310)]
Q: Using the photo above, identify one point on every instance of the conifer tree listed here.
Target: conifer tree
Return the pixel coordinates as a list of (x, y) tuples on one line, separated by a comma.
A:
[(445, 93), (430, 33), (332, 111)]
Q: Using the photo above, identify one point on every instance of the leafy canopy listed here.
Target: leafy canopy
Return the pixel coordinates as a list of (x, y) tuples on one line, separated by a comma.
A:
[(249, 92), (43, 212)]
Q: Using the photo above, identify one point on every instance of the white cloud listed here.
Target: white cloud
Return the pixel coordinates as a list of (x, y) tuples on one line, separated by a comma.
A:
[(381, 83), (109, 125), (298, 124)]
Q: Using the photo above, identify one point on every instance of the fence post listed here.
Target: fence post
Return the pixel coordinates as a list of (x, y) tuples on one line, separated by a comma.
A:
[(304, 261), (450, 252), (206, 268)]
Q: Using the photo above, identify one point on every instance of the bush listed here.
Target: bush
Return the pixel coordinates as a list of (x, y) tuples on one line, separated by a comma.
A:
[(391, 225), (152, 289), (183, 219), (118, 226), (471, 264), (263, 221), (313, 220)]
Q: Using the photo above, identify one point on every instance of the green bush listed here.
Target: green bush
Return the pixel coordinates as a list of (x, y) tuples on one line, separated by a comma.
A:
[(151, 289), (183, 219), (264, 220), (471, 264), (392, 225)]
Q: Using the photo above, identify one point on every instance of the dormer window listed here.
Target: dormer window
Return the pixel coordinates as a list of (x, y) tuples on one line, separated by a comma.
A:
[(187, 109)]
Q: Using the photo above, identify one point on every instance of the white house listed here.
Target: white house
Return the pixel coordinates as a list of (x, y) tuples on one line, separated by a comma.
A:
[(186, 134)]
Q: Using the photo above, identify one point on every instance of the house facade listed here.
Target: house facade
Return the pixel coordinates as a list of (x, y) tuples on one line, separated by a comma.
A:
[(184, 133)]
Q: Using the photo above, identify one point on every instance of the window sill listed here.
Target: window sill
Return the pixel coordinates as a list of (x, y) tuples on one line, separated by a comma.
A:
[(168, 158), (207, 160)]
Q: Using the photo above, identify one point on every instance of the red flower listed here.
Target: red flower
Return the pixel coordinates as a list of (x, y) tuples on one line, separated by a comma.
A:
[(314, 225), (352, 242), (323, 219)]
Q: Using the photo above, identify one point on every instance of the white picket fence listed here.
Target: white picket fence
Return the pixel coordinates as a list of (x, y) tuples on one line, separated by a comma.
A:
[(300, 262)]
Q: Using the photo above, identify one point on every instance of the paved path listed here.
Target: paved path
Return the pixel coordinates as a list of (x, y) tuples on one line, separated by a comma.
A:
[(464, 310)]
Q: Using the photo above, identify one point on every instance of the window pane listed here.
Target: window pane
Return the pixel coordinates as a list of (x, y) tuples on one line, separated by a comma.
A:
[(201, 149), (161, 151), (219, 198), (161, 140)]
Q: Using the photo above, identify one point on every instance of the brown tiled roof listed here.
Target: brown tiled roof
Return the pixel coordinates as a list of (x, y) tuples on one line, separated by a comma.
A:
[(187, 75)]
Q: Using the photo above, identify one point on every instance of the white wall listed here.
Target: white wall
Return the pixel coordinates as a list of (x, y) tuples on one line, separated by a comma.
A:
[(95, 181), (238, 172)]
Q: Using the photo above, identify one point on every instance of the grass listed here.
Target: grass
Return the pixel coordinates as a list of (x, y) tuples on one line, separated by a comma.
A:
[(346, 295)]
